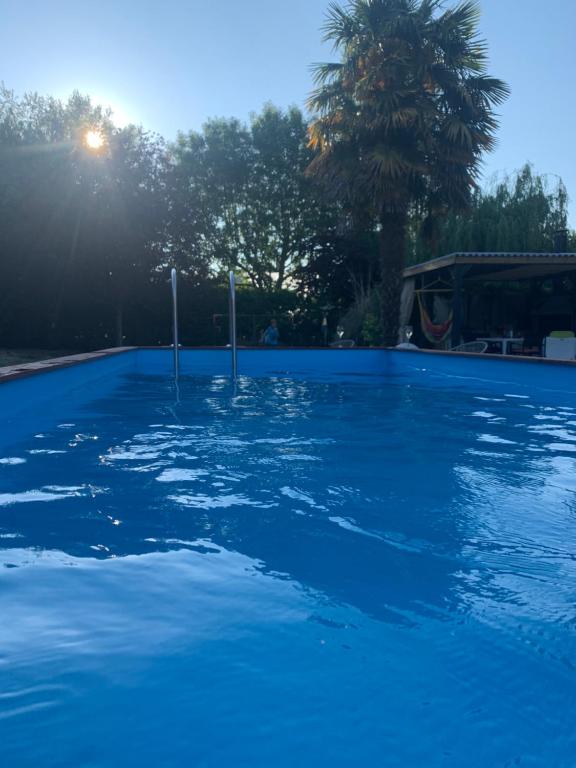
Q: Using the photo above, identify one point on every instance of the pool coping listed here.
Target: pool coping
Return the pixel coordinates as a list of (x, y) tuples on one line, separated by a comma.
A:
[(24, 370)]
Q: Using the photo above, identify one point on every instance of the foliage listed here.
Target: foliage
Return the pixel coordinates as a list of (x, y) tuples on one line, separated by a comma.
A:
[(240, 199), (87, 238), (80, 232), (403, 118), (521, 213), (371, 331), (344, 269)]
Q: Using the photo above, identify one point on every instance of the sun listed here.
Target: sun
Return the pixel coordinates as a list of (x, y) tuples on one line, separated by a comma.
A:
[(94, 140)]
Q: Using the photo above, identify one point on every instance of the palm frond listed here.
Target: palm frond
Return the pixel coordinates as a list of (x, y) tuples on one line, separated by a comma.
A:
[(475, 57), (457, 132), (493, 90), (340, 26), (427, 9), (399, 119), (386, 163), (323, 72), (463, 18)]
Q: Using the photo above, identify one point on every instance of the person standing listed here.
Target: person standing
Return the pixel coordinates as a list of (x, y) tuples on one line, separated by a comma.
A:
[(272, 334)]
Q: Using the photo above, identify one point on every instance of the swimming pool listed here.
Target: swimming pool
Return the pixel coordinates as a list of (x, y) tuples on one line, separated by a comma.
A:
[(313, 566)]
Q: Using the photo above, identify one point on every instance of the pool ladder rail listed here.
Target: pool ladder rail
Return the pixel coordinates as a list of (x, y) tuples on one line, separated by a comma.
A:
[(232, 313), (175, 344)]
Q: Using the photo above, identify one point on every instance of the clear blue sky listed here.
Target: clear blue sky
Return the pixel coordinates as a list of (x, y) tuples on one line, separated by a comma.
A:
[(170, 64)]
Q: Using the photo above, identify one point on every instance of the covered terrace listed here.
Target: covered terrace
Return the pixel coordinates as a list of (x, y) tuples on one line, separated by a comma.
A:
[(463, 297)]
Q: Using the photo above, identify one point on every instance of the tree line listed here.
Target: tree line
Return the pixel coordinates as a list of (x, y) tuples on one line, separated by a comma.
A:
[(313, 215), (87, 238)]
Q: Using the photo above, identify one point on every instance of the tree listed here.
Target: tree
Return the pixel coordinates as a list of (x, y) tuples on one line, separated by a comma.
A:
[(127, 197), (520, 213), (403, 118), (78, 231), (241, 200)]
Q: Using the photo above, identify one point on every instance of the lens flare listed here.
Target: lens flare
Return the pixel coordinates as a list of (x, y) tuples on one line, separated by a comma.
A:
[(94, 140)]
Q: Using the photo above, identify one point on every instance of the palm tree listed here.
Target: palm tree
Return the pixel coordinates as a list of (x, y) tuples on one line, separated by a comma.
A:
[(403, 119)]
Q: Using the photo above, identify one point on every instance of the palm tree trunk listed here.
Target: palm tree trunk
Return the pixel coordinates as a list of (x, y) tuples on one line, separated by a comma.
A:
[(392, 248)]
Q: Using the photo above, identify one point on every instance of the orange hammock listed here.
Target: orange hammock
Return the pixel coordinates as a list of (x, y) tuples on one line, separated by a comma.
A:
[(436, 333)]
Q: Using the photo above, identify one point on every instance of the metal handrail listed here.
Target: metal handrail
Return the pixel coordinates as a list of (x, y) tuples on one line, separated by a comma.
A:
[(232, 308), (174, 281)]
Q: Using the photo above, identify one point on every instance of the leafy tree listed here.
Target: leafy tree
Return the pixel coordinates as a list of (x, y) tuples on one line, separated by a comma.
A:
[(241, 200), (403, 118), (520, 213), (126, 190), (206, 181), (344, 269), (79, 231)]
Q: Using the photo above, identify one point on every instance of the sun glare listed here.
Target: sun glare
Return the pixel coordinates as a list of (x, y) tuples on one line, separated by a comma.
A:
[(94, 140)]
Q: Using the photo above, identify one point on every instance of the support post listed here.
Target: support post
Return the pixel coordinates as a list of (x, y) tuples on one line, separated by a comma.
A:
[(457, 305)]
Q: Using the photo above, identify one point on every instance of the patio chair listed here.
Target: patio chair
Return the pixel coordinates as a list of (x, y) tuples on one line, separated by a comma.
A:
[(471, 346)]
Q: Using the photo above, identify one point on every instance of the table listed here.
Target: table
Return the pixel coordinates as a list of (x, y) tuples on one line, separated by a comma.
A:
[(505, 342)]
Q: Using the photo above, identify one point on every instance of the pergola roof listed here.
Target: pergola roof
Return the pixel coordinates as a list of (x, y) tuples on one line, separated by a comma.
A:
[(500, 266)]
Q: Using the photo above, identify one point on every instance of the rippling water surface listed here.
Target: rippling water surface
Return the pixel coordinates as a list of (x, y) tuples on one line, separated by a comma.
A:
[(355, 573)]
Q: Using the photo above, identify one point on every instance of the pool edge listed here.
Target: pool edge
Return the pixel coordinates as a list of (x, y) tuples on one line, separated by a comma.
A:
[(25, 370)]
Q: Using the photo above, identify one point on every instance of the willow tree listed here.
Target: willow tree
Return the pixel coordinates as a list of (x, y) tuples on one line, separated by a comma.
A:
[(403, 119)]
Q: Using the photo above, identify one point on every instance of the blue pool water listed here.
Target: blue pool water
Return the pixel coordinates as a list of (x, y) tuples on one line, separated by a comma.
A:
[(350, 572)]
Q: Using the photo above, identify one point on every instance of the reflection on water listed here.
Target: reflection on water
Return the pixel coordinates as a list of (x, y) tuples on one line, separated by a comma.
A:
[(320, 565)]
